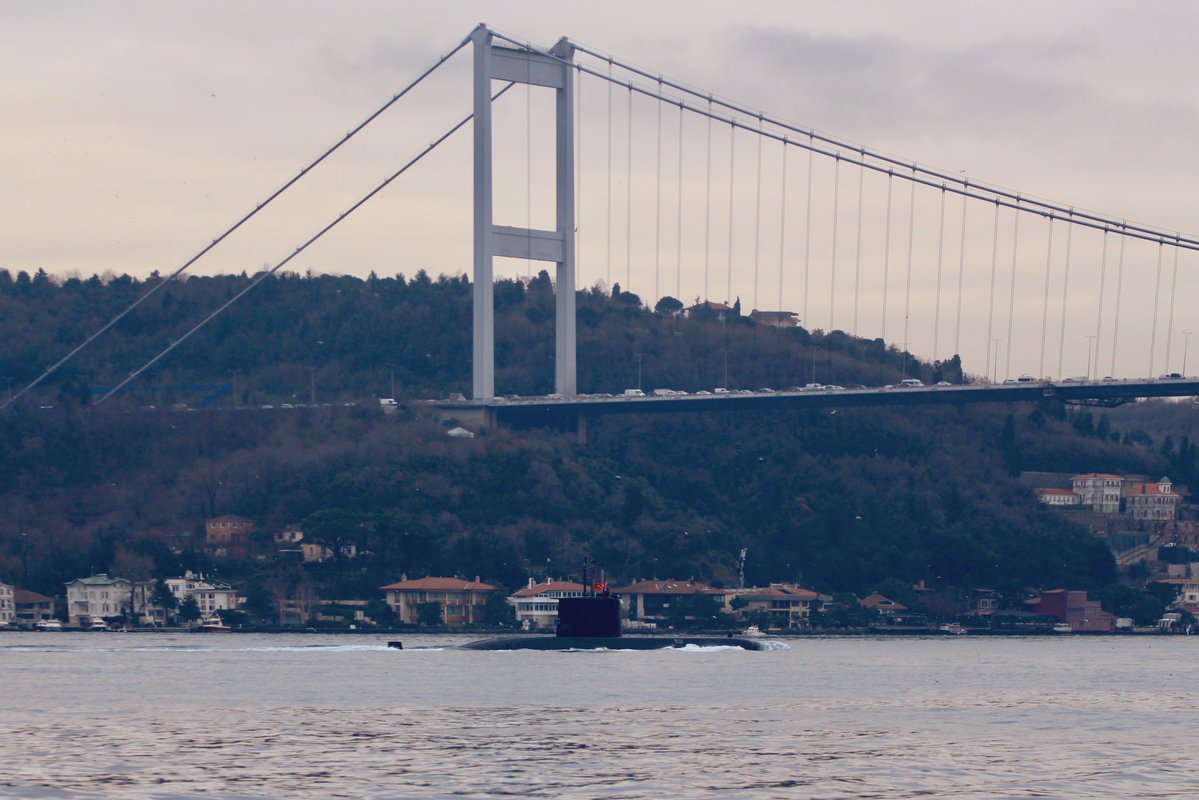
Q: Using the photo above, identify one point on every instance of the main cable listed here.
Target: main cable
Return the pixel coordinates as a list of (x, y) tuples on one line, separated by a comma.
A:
[(243, 220), (260, 278)]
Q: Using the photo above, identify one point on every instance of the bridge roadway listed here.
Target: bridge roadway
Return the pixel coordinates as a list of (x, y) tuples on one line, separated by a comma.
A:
[(558, 410)]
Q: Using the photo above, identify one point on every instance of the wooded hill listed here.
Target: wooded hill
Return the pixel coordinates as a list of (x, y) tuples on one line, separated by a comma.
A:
[(840, 500)]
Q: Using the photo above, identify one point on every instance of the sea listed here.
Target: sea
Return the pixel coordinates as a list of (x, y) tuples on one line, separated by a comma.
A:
[(158, 715)]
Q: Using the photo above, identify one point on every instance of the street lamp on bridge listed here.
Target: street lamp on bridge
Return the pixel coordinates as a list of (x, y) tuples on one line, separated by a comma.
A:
[(1186, 340), (1090, 341)]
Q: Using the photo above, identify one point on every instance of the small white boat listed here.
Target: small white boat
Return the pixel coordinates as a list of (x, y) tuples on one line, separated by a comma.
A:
[(954, 628), (753, 632), (98, 625), (1063, 627), (213, 624), (47, 625)]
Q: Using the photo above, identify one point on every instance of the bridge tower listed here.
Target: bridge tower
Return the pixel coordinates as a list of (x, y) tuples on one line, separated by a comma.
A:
[(552, 70)]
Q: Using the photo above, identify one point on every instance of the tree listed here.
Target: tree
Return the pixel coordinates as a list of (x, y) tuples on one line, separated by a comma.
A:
[(428, 614), (189, 610), (497, 611), (668, 305), (164, 597)]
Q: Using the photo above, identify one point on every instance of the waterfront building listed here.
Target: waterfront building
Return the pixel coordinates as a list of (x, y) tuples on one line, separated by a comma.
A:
[(460, 601), (98, 596), (651, 600), (536, 605), (8, 608), (31, 607), (789, 606), (1073, 608), (212, 596)]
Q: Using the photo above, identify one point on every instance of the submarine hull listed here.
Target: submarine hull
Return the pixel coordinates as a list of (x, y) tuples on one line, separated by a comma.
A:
[(610, 643)]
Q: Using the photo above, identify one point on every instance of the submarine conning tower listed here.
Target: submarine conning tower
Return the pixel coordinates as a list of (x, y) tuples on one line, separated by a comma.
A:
[(597, 616)]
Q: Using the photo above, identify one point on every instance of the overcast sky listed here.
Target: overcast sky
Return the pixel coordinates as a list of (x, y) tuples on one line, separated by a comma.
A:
[(136, 132)]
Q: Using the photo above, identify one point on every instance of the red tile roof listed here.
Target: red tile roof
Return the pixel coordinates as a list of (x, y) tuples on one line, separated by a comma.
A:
[(877, 600), (432, 584), (780, 591), (549, 586), (26, 596), (1151, 489)]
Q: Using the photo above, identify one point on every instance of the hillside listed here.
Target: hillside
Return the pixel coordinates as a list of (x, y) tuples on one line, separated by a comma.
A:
[(840, 500)]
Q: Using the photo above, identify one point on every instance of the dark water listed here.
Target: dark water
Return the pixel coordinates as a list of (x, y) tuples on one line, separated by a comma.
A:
[(166, 716)]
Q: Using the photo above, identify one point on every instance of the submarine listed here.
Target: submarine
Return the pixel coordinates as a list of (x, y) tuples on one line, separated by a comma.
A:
[(592, 622)]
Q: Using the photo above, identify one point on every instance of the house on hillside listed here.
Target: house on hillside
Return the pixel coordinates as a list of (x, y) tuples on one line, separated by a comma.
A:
[(709, 309), (536, 605), (1151, 501), (227, 535), (885, 606), (461, 601), (212, 596), (1058, 497), (775, 319), (1099, 491)]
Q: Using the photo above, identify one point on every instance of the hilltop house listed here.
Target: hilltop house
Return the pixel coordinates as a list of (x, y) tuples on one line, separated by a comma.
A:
[(227, 534), (1153, 501), (536, 605), (461, 601)]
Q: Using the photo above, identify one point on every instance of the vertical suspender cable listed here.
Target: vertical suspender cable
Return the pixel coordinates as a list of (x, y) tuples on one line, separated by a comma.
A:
[(1170, 318), (1045, 306), (628, 204), (1119, 287), (578, 173), (782, 224), (658, 208), (1061, 345), (832, 264), (1157, 288), (728, 292), (758, 215), (887, 254), (940, 262), (991, 303), (1099, 315), (907, 303), (678, 265), (1011, 298), (957, 325), (528, 165), (708, 204), (807, 244), (609, 173), (857, 255)]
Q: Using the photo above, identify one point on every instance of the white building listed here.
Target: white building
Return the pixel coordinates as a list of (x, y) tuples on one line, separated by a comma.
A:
[(536, 605), (8, 605), (211, 596), (96, 597), (1099, 491)]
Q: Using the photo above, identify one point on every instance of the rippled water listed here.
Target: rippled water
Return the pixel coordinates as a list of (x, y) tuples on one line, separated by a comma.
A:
[(174, 716)]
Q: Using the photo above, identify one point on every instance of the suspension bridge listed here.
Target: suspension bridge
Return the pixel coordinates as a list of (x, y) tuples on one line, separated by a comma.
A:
[(670, 190)]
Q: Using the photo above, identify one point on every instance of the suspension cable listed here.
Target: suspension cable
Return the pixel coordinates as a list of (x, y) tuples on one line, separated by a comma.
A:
[(678, 266), (1157, 288), (243, 220), (1170, 319), (940, 261), (628, 207), (757, 220), (832, 266), (610, 84), (1041, 207), (1119, 287), (1045, 306), (907, 302), (857, 254), (1011, 299), (658, 211), (957, 325), (260, 278), (1099, 315), (782, 228), (528, 166), (728, 292), (887, 254), (578, 175), (1013, 200), (991, 303), (1061, 345), (807, 243), (708, 209)]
